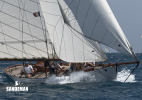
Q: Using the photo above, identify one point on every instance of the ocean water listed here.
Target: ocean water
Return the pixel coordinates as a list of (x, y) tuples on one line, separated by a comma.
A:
[(80, 85)]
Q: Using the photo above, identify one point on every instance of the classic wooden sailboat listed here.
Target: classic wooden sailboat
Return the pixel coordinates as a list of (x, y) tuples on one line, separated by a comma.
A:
[(67, 30)]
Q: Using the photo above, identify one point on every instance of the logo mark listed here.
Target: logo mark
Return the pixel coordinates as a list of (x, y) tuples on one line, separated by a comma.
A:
[(17, 83)]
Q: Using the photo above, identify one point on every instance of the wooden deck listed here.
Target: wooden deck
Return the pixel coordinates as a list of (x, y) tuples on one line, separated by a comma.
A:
[(16, 71)]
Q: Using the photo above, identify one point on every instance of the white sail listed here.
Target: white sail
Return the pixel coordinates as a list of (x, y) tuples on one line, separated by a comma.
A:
[(69, 45), (95, 20), (22, 35)]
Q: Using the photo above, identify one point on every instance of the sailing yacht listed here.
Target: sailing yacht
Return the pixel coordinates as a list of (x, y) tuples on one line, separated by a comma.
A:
[(60, 30)]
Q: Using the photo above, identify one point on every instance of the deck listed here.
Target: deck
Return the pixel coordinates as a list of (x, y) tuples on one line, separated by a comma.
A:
[(16, 71)]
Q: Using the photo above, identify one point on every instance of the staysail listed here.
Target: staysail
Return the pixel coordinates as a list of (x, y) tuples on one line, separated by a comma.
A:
[(22, 31), (95, 20), (69, 44)]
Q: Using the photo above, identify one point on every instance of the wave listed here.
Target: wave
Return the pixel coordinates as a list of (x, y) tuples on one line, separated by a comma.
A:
[(73, 78), (76, 77), (122, 76)]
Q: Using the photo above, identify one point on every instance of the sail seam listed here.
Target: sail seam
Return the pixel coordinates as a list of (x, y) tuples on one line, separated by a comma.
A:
[(86, 16), (20, 31), (8, 54), (79, 38), (96, 24), (82, 35), (22, 27), (62, 31), (71, 31), (23, 20), (85, 43), (48, 1), (104, 35), (44, 32), (16, 42), (22, 42), (30, 29), (50, 24), (19, 50), (69, 5), (83, 25), (18, 7), (2, 28), (27, 10), (61, 39)]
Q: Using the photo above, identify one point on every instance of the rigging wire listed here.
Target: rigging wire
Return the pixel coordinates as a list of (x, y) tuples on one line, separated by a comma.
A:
[(132, 71), (2, 29), (20, 41), (29, 28), (27, 10), (75, 15), (19, 50), (85, 43), (24, 20), (82, 41), (23, 32), (44, 32)]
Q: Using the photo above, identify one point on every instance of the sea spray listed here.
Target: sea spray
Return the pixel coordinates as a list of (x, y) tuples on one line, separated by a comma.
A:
[(73, 78), (88, 77), (122, 76)]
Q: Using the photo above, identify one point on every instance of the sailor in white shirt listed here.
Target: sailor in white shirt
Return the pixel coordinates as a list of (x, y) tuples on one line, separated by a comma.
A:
[(29, 70)]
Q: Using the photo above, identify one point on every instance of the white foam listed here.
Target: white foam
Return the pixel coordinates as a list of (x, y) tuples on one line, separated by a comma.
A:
[(122, 76), (88, 77), (73, 78)]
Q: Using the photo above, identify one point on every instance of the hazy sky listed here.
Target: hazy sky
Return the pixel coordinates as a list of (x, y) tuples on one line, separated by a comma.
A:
[(129, 15)]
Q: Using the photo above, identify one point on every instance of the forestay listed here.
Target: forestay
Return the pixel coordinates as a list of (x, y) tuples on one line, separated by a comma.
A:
[(95, 20), (22, 35), (69, 44)]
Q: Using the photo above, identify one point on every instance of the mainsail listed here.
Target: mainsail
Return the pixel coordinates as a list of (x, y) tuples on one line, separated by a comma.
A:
[(23, 35)]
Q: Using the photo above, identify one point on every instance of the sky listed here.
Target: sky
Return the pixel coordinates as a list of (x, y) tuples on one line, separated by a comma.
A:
[(129, 15)]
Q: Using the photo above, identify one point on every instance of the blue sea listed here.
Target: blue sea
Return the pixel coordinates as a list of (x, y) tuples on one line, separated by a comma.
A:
[(79, 86)]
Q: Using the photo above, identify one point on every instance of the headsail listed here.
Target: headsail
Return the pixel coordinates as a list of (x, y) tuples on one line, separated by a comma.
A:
[(69, 45), (23, 35), (97, 22)]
